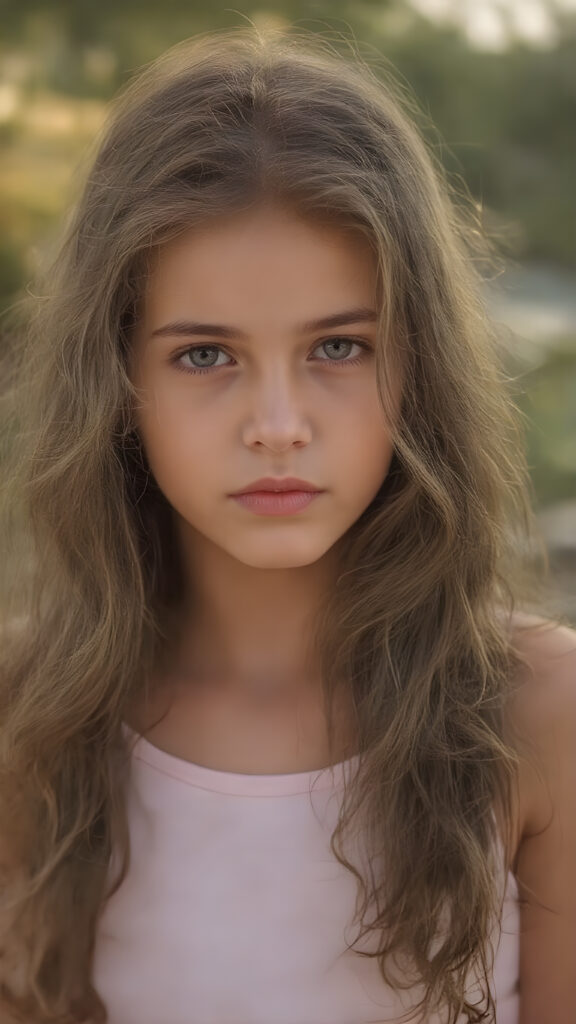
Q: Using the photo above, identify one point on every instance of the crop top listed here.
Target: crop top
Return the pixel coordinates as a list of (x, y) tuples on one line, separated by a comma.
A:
[(235, 910)]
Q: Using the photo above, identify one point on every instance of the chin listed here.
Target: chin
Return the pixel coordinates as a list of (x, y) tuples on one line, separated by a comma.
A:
[(279, 555)]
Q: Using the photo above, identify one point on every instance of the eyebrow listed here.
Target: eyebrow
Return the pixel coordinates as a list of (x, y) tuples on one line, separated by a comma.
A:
[(186, 328)]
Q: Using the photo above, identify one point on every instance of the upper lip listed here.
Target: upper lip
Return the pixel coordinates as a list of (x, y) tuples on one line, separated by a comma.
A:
[(286, 483)]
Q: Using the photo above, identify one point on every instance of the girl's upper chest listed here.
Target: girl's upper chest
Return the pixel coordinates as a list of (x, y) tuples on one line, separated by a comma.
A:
[(230, 732)]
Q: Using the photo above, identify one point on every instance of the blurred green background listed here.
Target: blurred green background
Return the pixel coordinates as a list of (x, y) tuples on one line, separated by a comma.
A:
[(497, 79)]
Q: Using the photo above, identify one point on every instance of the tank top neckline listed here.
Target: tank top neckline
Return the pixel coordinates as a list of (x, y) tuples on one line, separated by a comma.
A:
[(167, 766), (236, 783)]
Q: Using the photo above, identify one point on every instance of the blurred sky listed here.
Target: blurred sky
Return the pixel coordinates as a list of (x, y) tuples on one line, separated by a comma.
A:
[(490, 24)]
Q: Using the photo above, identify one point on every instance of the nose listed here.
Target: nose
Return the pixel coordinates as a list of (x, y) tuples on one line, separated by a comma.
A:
[(276, 416)]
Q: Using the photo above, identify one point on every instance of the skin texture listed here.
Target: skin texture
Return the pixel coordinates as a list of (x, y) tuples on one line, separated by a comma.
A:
[(276, 405)]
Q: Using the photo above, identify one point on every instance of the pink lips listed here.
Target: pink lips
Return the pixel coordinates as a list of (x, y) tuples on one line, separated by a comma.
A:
[(269, 483), (266, 503), (277, 497)]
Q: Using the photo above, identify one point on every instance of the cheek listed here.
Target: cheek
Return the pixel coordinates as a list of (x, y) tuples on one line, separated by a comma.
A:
[(369, 433), (177, 455), (375, 456), (172, 441)]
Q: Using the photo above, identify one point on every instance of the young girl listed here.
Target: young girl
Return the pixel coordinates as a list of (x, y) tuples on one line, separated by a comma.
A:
[(279, 743)]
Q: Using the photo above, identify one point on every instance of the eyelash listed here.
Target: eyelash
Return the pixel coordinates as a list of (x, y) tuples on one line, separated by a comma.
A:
[(175, 359)]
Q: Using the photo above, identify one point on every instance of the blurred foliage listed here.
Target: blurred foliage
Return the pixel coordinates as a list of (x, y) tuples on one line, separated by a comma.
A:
[(502, 123), (548, 401)]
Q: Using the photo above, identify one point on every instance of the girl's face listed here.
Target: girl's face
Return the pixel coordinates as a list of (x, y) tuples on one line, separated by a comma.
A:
[(272, 396)]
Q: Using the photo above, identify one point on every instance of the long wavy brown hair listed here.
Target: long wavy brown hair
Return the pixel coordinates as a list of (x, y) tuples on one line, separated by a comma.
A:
[(417, 624)]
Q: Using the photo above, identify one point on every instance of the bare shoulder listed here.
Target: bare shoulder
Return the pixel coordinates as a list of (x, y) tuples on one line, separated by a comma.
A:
[(543, 705), (543, 718), (548, 651)]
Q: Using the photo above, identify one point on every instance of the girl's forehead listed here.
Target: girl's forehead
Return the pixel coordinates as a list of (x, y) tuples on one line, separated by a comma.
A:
[(258, 271), (259, 227), (246, 257)]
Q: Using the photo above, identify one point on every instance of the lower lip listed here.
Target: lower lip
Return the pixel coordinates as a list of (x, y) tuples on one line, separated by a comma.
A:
[(271, 503)]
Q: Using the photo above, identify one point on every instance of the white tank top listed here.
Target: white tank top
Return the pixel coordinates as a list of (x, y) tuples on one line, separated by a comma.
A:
[(235, 910)]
